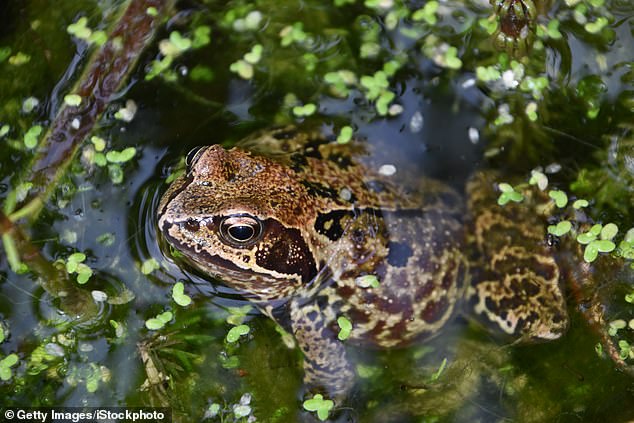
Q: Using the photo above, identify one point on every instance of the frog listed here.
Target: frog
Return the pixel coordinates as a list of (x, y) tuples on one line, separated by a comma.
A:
[(311, 231)]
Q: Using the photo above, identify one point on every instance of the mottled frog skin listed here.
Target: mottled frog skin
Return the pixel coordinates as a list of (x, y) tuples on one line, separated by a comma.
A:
[(294, 221)]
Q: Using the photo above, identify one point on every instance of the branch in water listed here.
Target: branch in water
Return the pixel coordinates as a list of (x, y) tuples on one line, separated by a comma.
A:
[(104, 75)]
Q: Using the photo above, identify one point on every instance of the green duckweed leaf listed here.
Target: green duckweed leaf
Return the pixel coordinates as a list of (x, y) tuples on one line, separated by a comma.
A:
[(179, 296), (552, 29), (98, 142), (181, 43), (201, 36), (489, 25), (590, 253), (626, 250), (345, 328), (149, 266), (31, 136), (578, 204), (586, 238), (76, 258), (596, 26), (305, 110), (560, 198), (560, 228), (84, 273), (243, 68), (345, 135), (504, 187), (427, 13), (604, 245), (596, 229), (19, 59), (72, 99), (236, 332), (451, 58), (254, 55), (9, 361), (122, 156), (320, 405), (98, 37), (79, 29), (158, 322), (154, 324), (538, 178), (609, 231), (508, 194), (165, 317), (367, 281)]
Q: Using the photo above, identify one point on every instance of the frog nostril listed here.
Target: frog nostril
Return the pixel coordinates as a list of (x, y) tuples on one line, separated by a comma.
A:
[(192, 225)]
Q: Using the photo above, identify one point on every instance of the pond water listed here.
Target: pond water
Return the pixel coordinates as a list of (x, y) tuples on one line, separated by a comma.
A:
[(425, 83)]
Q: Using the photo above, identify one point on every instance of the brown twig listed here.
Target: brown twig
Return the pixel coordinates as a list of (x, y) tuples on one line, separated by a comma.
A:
[(105, 74)]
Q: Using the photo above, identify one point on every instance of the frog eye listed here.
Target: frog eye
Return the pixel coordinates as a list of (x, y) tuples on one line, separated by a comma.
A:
[(240, 230), (193, 155)]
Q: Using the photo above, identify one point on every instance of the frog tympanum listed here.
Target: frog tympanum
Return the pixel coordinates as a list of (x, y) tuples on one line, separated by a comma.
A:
[(299, 225)]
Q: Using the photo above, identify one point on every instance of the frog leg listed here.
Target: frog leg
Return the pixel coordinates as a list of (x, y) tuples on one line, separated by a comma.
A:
[(325, 364), (516, 283)]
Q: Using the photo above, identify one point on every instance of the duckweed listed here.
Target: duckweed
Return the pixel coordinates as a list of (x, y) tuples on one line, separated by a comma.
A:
[(19, 59), (243, 68), (596, 26), (508, 194), (538, 178), (128, 112), (6, 364), (345, 135), (560, 198), (31, 136), (560, 228), (236, 332), (254, 55), (367, 281), (179, 296), (72, 99), (122, 156), (150, 265), (609, 231), (29, 104), (552, 29), (80, 29), (305, 110), (345, 328), (158, 322), (318, 404), (427, 13), (579, 204), (293, 34), (74, 264)]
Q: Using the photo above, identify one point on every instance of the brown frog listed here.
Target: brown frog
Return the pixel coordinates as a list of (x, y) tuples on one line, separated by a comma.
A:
[(310, 231)]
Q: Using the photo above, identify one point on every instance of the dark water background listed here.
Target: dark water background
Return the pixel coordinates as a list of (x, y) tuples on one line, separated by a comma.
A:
[(485, 379)]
